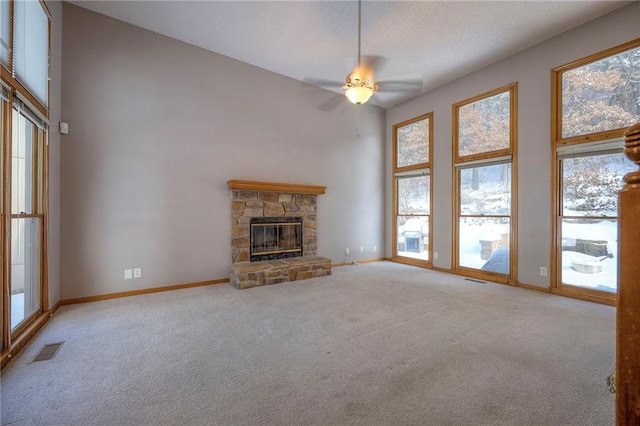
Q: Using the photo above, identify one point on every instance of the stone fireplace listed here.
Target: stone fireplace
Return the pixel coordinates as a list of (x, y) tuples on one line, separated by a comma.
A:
[(274, 233)]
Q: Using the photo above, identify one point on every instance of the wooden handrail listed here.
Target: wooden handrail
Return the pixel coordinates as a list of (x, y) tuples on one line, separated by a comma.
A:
[(628, 314)]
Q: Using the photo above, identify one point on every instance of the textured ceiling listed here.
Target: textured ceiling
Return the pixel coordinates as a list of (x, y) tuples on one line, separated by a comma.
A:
[(432, 41)]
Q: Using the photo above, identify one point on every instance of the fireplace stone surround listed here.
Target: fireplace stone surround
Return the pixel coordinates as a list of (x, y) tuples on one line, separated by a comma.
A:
[(251, 199)]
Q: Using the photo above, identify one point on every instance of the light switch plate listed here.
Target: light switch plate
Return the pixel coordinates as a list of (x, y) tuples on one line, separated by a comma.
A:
[(64, 128)]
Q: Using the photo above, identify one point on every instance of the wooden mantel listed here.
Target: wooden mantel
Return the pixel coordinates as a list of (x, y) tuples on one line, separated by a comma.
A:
[(289, 188)]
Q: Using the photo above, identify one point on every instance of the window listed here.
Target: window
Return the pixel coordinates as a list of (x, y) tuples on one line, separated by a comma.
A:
[(590, 183), (31, 48), (4, 98), (594, 100), (484, 127), (5, 34), (412, 141), (598, 96), (24, 56), (26, 218), (484, 135)]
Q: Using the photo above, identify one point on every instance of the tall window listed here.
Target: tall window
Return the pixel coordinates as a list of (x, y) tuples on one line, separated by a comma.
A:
[(484, 133), (594, 100), (412, 141), (27, 156), (24, 59), (4, 303)]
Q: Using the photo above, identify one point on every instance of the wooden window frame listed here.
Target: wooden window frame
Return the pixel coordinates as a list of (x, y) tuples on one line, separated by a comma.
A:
[(512, 89), (9, 77), (426, 166), (486, 159), (12, 340), (556, 98), (557, 141), (40, 166), (5, 265), (557, 287)]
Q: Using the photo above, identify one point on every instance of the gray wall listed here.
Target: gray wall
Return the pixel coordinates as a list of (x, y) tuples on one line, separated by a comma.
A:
[(531, 69), (55, 105), (157, 127)]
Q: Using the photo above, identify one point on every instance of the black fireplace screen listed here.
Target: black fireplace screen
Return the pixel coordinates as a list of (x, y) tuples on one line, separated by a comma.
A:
[(275, 238)]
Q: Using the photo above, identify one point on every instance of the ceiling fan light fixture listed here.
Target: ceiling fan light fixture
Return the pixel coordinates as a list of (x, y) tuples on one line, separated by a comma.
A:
[(359, 94), (359, 89)]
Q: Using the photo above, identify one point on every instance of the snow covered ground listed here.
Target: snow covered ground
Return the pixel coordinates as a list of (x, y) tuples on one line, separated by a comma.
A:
[(421, 256), (492, 198), (472, 231), (607, 279), (17, 309)]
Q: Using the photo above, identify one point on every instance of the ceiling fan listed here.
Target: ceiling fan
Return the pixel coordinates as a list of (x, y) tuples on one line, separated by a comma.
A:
[(360, 84)]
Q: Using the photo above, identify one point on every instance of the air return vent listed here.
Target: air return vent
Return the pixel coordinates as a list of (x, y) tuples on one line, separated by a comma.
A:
[(48, 352)]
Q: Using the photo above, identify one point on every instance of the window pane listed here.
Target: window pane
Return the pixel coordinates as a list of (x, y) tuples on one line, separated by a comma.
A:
[(486, 190), (484, 243), (5, 33), (483, 126), (22, 163), (590, 185), (31, 48), (413, 195), (40, 141), (602, 95), (25, 269), (413, 143), (413, 237), (590, 253)]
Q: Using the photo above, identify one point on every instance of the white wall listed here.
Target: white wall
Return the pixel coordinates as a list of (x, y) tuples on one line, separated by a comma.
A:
[(532, 70), (157, 127)]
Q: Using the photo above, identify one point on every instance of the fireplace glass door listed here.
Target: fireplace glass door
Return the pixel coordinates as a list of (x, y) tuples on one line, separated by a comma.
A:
[(275, 238)]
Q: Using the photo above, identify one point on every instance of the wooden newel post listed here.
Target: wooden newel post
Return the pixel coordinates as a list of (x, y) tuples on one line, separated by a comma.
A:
[(628, 314)]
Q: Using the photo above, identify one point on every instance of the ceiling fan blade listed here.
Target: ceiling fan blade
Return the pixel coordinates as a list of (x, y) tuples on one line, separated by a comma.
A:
[(325, 84), (411, 85), (332, 103), (325, 97), (373, 63)]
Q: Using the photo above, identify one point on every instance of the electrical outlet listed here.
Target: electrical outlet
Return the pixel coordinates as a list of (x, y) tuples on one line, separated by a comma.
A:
[(346, 251), (361, 249), (137, 273), (435, 255), (543, 271), (128, 274), (375, 249)]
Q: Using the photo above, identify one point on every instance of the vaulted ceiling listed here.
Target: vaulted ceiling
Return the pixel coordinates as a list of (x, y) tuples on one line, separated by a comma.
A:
[(432, 41)]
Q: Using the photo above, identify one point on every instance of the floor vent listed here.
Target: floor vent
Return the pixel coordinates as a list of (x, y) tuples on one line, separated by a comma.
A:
[(476, 281), (48, 352)]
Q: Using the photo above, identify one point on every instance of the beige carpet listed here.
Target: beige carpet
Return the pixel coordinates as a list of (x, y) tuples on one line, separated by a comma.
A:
[(375, 344)]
